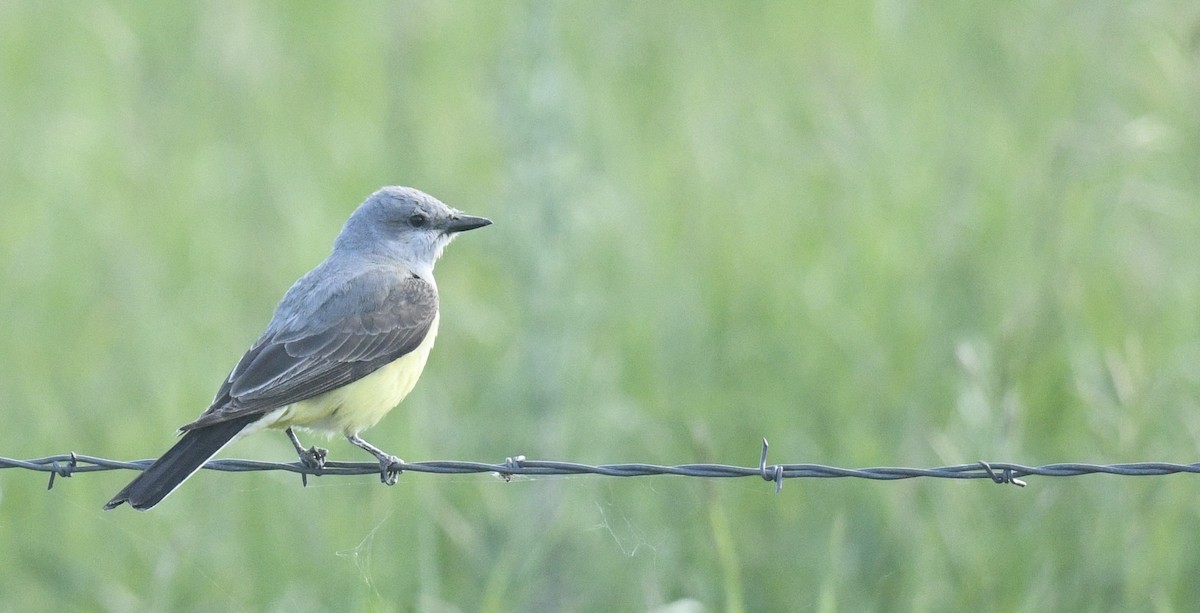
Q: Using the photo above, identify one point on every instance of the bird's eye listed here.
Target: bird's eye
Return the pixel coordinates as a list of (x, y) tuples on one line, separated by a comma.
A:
[(417, 220)]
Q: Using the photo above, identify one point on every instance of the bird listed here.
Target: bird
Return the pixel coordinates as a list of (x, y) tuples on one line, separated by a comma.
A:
[(345, 345)]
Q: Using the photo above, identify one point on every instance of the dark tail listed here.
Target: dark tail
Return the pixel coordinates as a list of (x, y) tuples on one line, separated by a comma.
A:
[(179, 462)]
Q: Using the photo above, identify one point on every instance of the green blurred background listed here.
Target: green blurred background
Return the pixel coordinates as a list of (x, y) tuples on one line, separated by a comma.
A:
[(876, 233)]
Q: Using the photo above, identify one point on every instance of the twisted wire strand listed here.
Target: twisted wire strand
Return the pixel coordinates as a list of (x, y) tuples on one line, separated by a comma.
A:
[(70, 464)]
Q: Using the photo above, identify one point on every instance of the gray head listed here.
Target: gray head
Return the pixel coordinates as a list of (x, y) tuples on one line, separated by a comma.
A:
[(404, 224)]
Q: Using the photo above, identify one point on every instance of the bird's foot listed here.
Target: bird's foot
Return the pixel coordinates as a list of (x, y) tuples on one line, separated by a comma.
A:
[(389, 469), (313, 457), (389, 465)]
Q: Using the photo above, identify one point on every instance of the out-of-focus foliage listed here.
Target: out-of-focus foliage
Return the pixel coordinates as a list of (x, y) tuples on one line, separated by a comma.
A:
[(885, 233)]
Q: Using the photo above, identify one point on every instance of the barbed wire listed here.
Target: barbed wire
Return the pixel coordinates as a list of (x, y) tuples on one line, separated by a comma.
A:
[(70, 464)]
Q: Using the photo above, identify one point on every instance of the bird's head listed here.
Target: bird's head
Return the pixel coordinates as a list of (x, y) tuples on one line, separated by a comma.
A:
[(404, 224)]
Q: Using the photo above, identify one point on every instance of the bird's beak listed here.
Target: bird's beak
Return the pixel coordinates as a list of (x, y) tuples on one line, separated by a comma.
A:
[(462, 223)]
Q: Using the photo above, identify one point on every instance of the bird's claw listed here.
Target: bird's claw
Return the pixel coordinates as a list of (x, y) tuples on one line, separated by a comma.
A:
[(389, 465), (314, 457), (389, 469)]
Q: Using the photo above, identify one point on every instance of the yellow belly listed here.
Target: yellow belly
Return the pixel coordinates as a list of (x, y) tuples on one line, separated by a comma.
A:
[(354, 407)]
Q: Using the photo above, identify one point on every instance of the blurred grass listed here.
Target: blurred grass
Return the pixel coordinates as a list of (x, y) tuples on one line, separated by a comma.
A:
[(876, 233)]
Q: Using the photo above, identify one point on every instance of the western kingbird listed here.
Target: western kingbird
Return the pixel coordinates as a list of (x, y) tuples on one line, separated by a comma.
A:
[(345, 346)]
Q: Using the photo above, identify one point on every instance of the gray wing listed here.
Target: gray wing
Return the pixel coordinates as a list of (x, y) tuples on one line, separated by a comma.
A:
[(368, 323)]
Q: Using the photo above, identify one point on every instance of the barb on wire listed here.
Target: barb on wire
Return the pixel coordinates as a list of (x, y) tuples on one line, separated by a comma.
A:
[(997, 472)]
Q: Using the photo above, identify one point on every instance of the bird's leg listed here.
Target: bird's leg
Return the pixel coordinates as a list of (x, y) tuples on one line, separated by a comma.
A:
[(387, 463), (313, 458)]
